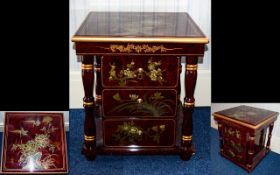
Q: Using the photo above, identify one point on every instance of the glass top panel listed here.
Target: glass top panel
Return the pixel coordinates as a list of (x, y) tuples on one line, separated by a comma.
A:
[(247, 114), (139, 24)]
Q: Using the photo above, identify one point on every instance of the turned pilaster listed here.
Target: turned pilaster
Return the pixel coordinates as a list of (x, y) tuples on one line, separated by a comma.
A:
[(89, 105), (251, 151), (269, 137), (188, 106), (98, 87)]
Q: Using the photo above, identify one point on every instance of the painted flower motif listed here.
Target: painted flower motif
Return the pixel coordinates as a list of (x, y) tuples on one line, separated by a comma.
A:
[(14, 147), (155, 128), (23, 132), (133, 97), (44, 129), (162, 127), (133, 130), (48, 162), (37, 122), (153, 75), (42, 140), (47, 119)]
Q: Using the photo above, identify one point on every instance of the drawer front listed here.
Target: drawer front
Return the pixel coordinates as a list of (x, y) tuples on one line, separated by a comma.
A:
[(139, 71), (139, 103), (143, 133)]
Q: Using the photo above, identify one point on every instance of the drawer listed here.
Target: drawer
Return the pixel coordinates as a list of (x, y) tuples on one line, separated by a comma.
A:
[(139, 71), (139, 103), (143, 133)]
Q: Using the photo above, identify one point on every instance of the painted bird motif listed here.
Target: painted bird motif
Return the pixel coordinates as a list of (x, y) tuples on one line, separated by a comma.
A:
[(20, 131), (33, 122)]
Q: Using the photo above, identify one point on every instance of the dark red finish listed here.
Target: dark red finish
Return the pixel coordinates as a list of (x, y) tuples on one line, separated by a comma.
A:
[(242, 132), (168, 65), (89, 123), (34, 136), (190, 82), (148, 106), (87, 48), (247, 114), (153, 25), (145, 133), (139, 24), (98, 87)]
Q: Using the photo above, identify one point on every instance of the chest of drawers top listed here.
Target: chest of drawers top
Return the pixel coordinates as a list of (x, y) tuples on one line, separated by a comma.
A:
[(139, 27), (247, 116)]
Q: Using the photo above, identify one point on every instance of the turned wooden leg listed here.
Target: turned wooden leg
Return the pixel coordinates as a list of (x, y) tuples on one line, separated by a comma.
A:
[(220, 129), (179, 81), (269, 137), (261, 141), (251, 151), (190, 82), (98, 87), (89, 146)]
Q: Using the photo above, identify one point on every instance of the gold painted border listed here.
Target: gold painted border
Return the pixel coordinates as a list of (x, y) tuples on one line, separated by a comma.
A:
[(88, 103), (186, 104), (87, 67), (186, 138), (191, 67), (98, 97), (139, 40), (89, 138)]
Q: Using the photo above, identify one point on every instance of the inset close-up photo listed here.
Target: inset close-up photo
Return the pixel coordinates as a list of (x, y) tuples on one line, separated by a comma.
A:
[(245, 138), (34, 143)]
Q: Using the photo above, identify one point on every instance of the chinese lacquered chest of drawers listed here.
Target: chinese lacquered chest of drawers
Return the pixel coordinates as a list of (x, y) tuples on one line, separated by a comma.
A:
[(136, 59), (245, 134)]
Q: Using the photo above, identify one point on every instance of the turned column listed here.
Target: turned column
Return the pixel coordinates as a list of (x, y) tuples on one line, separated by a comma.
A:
[(88, 102), (179, 81), (188, 106), (269, 137), (251, 151), (98, 87), (261, 141)]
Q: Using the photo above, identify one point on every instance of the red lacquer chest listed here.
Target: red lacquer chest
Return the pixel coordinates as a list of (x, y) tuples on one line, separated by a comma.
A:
[(133, 60), (245, 134)]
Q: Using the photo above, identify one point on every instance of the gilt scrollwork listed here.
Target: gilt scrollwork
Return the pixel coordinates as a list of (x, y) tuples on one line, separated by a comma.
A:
[(140, 48)]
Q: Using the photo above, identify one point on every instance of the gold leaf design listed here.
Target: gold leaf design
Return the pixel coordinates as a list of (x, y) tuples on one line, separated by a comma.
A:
[(117, 97), (138, 48)]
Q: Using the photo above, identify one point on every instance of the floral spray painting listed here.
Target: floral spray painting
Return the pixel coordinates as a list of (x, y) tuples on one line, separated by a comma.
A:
[(34, 142)]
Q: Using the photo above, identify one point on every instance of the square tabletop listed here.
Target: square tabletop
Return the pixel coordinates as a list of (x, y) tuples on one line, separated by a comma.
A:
[(34, 143), (247, 114), (134, 26)]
